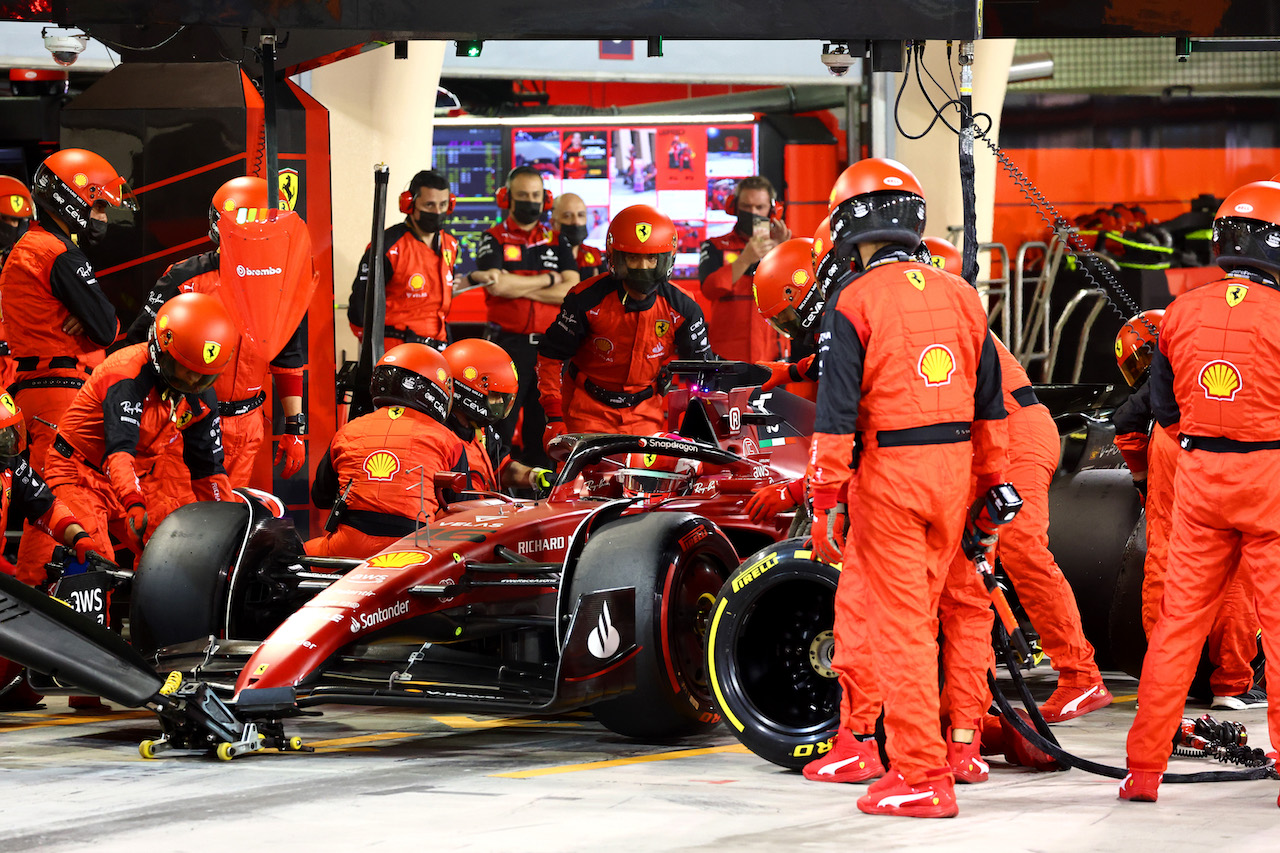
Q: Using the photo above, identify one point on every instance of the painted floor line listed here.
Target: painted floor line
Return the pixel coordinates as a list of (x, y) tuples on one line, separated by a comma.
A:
[(347, 741), (76, 720), (620, 762)]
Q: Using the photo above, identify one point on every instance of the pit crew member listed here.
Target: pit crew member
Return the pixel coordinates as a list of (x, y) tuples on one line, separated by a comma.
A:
[(484, 388), (725, 268), (1213, 374), (599, 364), (569, 224), (417, 267), (908, 363), (377, 474), (526, 277), (1151, 452), (140, 401), (57, 318), (1034, 447), (15, 216)]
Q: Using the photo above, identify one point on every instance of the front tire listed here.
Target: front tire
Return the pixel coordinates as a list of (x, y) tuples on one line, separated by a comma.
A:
[(676, 562), (770, 650)]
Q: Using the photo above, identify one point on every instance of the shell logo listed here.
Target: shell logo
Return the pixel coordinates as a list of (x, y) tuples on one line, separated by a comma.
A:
[(163, 322), (603, 345), (800, 277), (936, 365), (398, 559), (382, 465), (818, 247), (80, 179), (442, 376), (511, 253), (469, 373), (730, 257), (417, 281), (229, 205), (1220, 380)]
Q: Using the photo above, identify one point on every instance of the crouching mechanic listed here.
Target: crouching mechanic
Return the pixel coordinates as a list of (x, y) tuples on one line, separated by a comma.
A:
[(599, 363), (378, 473), (484, 390), (1151, 452), (239, 388), (41, 507), (1213, 374), (1034, 447), (140, 401), (907, 363)]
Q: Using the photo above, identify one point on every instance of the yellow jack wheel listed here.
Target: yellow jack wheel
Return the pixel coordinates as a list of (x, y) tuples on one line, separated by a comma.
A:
[(226, 752), (295, 744), (147, 749)]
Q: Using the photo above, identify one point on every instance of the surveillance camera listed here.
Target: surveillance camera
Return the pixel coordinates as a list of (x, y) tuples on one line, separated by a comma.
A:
[(66, 49), (837, 56)]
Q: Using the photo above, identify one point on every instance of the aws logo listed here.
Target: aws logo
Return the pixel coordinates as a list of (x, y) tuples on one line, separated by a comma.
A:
[(936, 365), (1220, 380), (382, 465)]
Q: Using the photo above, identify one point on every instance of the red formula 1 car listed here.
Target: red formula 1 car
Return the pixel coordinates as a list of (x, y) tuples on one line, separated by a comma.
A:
[(596, 596)]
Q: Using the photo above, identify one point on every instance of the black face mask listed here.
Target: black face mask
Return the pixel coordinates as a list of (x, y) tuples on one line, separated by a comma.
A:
[(747, 222), (526, 212), (9, 236), (92, 235), (645, 280), (428, 222), (573, 235)]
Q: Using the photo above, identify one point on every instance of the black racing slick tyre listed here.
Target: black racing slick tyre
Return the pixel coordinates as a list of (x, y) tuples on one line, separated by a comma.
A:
[(770, 650), (180, 586), (676, 562)]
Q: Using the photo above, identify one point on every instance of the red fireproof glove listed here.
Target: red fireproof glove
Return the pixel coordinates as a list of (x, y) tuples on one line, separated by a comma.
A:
[(828, 534), (555, 428), (137, 526), (291, 450), (771, 501)]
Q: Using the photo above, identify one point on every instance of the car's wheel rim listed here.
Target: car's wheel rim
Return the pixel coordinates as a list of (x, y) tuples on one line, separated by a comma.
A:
[(694, 585), (784, 654)]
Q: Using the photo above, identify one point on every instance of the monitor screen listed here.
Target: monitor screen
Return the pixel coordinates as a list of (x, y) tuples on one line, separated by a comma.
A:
[(472, 160)]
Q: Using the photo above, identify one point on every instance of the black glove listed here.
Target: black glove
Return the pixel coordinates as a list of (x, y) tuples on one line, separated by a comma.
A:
[(1141, 486), (998, 506)]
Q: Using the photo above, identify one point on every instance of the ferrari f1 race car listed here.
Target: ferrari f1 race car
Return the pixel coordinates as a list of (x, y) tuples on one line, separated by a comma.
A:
[(622, 590)]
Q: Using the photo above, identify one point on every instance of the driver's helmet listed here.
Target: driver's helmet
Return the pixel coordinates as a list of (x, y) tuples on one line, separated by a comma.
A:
[(13, 429), (654, 474)]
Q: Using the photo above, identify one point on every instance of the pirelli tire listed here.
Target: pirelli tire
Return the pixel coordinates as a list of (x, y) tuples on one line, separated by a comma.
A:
[(676, 562), (770, 649)]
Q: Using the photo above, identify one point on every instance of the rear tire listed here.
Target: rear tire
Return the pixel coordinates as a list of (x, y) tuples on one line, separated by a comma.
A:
[(676, 562), (770, 644)]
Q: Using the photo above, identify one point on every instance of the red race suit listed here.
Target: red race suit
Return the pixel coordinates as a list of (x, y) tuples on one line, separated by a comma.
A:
[(598, 364), (419, 286), (1214, 375)]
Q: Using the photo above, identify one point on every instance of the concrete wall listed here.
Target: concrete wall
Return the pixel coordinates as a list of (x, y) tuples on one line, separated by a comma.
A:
[(380, 111)]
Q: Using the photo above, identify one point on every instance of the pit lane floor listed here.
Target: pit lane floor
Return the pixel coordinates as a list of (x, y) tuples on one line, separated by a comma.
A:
[(389, 779)]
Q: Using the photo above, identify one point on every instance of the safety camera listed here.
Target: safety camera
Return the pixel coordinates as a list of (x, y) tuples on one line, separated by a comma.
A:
[(66, 49), (837, 56)]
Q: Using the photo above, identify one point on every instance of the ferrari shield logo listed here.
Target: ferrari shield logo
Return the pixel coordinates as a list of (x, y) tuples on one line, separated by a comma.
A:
[(9, 406), (211, 350), (184, 419), (1236, 294), (937, 261), (289, 186), (649, 459), (16, 202), (916, 278), (643, 230), (395, 412), (661, 327)]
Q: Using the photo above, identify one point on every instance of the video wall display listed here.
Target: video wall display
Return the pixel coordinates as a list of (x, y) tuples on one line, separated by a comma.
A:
[(685, 170)]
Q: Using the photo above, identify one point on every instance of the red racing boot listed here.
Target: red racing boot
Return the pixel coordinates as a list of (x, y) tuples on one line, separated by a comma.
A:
[(850, 760), (1141, 786), (1067, 703), (934, 797), (966, 762)]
